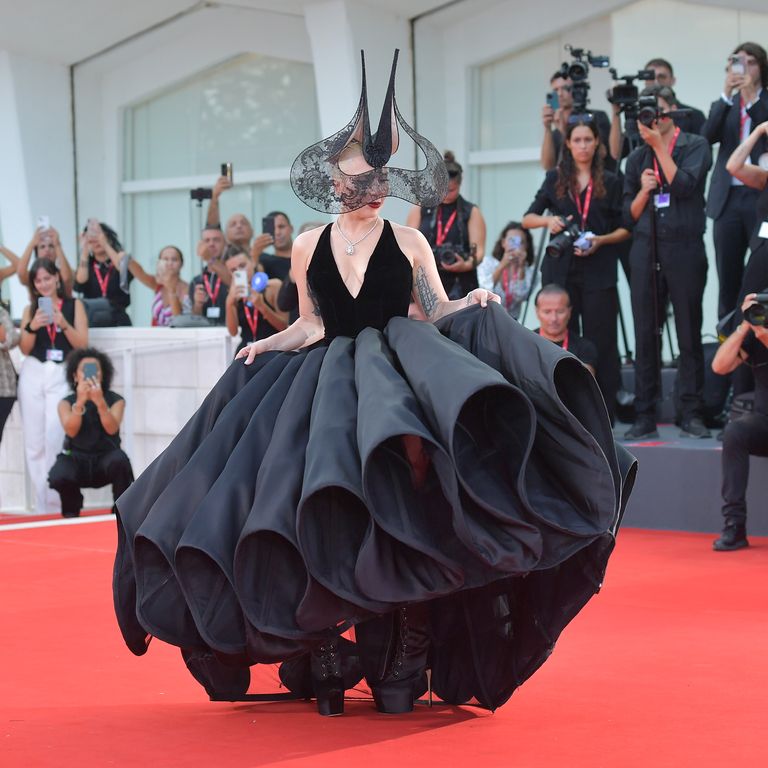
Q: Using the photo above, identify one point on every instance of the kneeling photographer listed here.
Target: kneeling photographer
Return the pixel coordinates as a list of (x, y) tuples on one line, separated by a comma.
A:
[(455, 230), (584, 202), (91, 417), (664, 196), (748, 435)]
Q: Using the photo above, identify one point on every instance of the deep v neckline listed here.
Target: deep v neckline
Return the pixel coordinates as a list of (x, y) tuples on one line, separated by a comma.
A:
[(356, 296)]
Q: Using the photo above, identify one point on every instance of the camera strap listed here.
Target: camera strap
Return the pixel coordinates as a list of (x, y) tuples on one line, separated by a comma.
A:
[(584, 212), (656, 169)]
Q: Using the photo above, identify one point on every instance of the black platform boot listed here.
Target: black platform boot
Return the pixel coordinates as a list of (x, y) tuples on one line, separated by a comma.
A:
[(327, 680), (393, 650)]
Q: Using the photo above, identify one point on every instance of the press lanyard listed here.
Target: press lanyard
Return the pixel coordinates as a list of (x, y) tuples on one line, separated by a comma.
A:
[(656, 171), (744, 116), (587, 201), (102, 280), (212, 294), (565, 340), (442, 232), (53, 329), (252, 320)]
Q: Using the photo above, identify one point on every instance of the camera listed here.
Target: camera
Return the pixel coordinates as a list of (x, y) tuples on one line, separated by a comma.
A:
[(447, 254), (757, 314), (577, 72), (564, 240), (200, 194)]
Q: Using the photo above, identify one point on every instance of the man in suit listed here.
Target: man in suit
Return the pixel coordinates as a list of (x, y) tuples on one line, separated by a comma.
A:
[(692, 120), (742, 105)]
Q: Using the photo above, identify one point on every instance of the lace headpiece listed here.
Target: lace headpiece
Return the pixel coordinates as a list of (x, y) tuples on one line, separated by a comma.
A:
[(318, 174)]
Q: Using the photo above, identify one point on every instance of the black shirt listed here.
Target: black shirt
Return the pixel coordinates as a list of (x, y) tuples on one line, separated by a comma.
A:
[(758, 364), (92, 437), (603, 123), (690, 122), (275, 266), (263, 327), (91, 288), (578, 346), (214, 288), (58, 348), (604, 216), (684, 218)]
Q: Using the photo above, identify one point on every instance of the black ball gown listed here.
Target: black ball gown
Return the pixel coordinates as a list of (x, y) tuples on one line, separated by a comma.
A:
[(467, 466)]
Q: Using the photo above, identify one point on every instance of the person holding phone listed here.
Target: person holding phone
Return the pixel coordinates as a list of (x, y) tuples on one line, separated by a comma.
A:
[(510, 272), (9, 338), (46, 244), (277, 231), (208, 290), (52, 325), (102, 277), (251, 303), (90, 415), (731, 204), (581, 192), (171, 292)]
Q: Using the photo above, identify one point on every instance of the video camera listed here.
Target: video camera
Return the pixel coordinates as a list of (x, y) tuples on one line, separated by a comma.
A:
[(577, 72)]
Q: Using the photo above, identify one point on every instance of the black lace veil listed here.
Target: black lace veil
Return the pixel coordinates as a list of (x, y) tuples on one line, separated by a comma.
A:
[(318, 177)]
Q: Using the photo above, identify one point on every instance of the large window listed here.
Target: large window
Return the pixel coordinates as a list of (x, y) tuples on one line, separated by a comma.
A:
[(254, 111)]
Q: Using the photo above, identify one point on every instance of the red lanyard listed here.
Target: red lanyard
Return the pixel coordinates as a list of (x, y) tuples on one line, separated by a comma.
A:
[(53, 328), (744, 117), (212, 294), (102, 280), (442, 232), (508, 295), (656, 171), (252, 319), (565, 340), (587, 200)]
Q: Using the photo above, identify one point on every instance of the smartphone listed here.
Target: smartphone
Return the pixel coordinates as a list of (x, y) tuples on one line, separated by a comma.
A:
[(736, 64), (43, 222), (514, 242), (93, 227), (90, 370), (240, 281), (46, 304), (268, 225), (553, 100), (226, 170)]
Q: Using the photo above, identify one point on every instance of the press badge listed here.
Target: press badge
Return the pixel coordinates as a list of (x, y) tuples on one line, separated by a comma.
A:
[(213, 313), (661, 200), (54, 355), (763, 232)]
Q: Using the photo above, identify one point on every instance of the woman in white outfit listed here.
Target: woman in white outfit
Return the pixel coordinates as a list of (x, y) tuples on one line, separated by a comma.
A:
[(51, 326)]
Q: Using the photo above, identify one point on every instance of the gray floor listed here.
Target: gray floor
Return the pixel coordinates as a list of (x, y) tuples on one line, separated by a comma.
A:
[(678, 485)]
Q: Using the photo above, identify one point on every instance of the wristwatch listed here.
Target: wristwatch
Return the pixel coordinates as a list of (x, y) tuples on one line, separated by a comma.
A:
[(28, 328)]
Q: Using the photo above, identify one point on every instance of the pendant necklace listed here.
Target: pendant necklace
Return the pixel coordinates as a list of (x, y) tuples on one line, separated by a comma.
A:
[(350, 249)]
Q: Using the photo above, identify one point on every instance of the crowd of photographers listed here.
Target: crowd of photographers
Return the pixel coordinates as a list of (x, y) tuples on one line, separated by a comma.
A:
[(626, 189)]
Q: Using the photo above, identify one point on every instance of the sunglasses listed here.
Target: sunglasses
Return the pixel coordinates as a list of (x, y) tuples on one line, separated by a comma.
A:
[(583, 118)]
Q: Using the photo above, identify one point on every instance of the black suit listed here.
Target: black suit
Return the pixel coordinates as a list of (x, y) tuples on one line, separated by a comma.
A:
[(731, 206)]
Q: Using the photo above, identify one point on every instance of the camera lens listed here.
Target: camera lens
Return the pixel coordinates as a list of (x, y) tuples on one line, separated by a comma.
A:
[(756, 315)]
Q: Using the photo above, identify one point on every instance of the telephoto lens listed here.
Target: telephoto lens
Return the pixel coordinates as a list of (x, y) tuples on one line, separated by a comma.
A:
[(757, 314), (563, 240)]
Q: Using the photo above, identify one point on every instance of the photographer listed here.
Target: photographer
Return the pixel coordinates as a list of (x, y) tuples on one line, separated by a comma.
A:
[(238, 230), (251, 305), (748, 435), (555, 122), (455, 230), (510, 272), (46, 244), (585, 204), (208, 290), (742, 105), (664, 197), (91, 417), (277, 264), (171, 292), (553, 310), (693, 119)]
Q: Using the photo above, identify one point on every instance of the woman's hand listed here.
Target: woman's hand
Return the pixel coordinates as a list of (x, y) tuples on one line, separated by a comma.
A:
[(556, 225), (96, 393), (249, 351), (40, 320), (482, 297), (59, 320), (594, 244), (82, 393)]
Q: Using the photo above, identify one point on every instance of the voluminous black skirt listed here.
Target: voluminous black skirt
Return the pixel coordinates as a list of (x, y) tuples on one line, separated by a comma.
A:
[(469, 464)]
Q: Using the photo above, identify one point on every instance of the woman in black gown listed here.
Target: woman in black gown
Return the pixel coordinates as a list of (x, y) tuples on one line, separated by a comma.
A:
[(450, 490)]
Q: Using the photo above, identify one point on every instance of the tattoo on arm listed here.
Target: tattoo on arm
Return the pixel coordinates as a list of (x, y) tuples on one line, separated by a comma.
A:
[(427, 296), (313, 299)]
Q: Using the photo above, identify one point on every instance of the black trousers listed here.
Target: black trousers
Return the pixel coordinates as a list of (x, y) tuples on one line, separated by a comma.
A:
[(731, 232), (595, 316), (681, 279), (746, 436), (6, 405), (73, 471)]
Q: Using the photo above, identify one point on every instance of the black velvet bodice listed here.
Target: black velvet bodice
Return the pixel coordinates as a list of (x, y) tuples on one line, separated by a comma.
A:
[(384, 294)]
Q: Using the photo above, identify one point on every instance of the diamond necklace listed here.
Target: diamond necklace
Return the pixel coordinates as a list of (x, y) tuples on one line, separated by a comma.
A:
[(350, 249)]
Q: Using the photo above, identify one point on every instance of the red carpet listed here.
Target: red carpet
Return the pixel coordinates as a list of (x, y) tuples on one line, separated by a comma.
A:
[(666, 667)]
